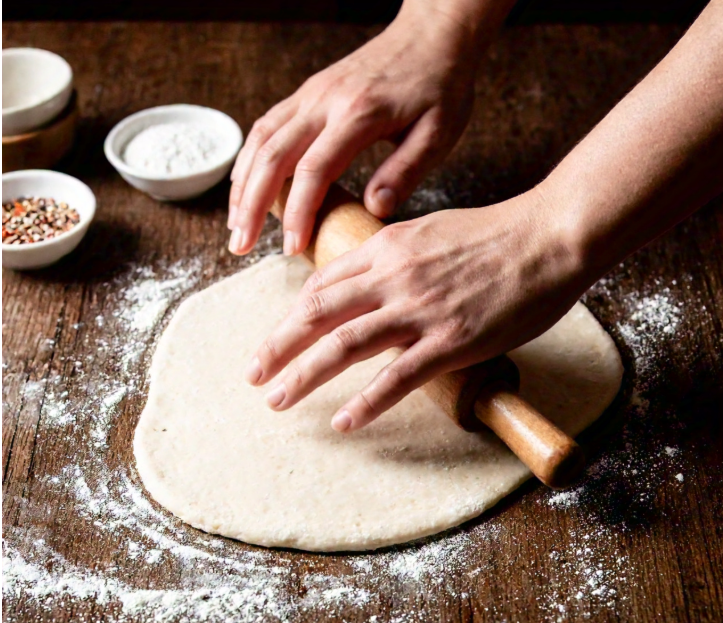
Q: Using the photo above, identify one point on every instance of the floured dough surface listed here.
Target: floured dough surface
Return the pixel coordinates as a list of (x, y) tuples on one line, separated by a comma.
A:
[(209, 449)]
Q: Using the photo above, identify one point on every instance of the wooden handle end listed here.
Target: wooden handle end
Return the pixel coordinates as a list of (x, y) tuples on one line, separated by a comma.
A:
[(564, 467), (554, 457)]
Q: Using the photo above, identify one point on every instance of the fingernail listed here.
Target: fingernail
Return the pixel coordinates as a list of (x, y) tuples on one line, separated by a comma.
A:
[(254, 371), (341, 421), (386, 201), (289, 243), (238, 240), (276, 396)]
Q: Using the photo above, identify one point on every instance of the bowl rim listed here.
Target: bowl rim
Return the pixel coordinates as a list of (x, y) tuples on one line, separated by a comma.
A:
[(82, 224), (115, 159), (40, 52)]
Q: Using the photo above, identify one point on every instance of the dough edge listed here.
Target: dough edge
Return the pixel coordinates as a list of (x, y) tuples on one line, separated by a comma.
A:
[(154, 482)]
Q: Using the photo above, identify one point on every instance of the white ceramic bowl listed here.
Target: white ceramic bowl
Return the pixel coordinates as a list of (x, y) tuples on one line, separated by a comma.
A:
[(37, 85), (62, 188), (175, 187)]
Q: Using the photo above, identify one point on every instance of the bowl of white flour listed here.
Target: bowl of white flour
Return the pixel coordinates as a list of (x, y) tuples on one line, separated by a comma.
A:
[(174, 152)]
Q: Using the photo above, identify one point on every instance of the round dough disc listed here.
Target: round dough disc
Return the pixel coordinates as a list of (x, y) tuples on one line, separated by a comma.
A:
[(210, 451)]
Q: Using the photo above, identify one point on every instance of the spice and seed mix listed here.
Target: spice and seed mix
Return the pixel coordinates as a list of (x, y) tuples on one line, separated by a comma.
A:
[(32, 219)]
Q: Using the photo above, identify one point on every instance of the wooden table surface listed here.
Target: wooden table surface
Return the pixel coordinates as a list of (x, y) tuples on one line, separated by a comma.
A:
[(640, 539)]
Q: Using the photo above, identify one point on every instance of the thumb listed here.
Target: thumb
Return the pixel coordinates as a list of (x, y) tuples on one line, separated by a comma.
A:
[(398, 176)]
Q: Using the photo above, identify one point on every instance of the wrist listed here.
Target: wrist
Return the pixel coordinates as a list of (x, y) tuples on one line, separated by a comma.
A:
[(584, 224), (562, 239), (467, 24)]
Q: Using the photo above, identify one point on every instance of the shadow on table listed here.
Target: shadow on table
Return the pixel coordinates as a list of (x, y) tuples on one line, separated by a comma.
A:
[(104, 251), (86, 160), (213, 200)]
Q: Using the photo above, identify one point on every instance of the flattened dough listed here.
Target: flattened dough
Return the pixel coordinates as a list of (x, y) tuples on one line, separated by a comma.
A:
[(211, 452)]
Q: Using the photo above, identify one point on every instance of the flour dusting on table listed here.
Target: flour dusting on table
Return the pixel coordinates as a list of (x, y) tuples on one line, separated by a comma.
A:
[(217, 578)]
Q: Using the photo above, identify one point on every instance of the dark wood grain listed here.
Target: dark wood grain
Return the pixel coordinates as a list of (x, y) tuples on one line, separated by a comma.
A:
[(657, 541)]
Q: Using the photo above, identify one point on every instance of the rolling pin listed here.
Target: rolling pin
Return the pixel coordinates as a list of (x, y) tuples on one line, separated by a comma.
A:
[(485, 394)]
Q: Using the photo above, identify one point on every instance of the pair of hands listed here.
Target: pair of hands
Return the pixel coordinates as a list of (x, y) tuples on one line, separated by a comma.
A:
[(444, 286)]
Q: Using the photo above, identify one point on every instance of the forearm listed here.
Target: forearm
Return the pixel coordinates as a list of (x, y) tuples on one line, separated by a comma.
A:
[(653, 160)]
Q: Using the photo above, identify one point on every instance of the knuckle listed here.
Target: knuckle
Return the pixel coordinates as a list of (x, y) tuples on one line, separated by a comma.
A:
[(369, 410), (436, 135), (391, 378), (268, 154), (406, 264), (315, 282), (270, 348), (313, 308), (260, 131), (312, 165), (297, 212), (460, 331), (294, 377), (399, 262), (389, 382), (346, 339), (432, 295), (314, 82), (388, 235), (362, 104), (310, 106)]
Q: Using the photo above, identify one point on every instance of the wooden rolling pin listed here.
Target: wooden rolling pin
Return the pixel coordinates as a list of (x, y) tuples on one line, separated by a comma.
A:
[(484, 393)]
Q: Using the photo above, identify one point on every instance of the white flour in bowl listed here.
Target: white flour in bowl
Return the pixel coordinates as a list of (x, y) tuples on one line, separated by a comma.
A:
[(173, 149)]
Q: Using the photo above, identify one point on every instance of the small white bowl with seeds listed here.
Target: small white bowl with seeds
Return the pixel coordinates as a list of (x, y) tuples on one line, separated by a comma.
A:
[(174, 152), (45, 216)]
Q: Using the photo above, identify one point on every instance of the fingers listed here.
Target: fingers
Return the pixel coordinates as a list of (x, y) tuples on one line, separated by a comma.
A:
[(410, 370), (314, 316), (356, 340), (327, 158), (396, 179), (318, 154), (262, 130), (348, 265), (273, 163)]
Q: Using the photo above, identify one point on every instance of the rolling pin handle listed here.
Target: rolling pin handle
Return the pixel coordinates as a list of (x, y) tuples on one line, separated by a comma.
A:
[(456, 392), (553, 457)]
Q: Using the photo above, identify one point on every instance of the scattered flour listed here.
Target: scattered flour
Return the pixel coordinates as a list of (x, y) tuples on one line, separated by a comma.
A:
[(619, 488), (425, 201), (564, 499), (220, 579), (652, 318)]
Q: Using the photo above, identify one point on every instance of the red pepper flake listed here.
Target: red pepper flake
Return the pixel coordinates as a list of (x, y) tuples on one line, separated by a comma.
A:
[(33, 219)]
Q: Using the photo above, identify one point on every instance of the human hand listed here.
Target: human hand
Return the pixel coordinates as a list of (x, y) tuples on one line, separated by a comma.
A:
[(412, 85), (452, 288)]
